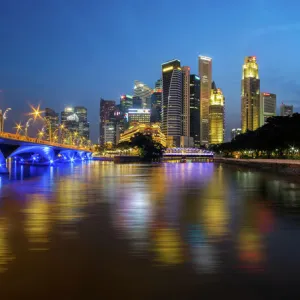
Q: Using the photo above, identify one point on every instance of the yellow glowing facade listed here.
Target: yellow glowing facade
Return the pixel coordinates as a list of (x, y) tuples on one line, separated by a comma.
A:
[(250, 95), (216, 117), (153, 130)]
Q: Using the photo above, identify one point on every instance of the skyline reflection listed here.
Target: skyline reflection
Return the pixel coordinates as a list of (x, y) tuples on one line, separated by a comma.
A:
[(204, 218)]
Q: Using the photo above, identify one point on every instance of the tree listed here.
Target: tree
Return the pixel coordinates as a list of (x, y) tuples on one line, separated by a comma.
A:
[(149, 149)]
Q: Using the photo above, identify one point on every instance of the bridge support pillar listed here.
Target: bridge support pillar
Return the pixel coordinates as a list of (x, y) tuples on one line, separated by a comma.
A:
[(6, 150)]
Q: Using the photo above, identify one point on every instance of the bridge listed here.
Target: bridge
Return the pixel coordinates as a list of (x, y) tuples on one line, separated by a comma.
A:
[(187, 153), (27, 150)]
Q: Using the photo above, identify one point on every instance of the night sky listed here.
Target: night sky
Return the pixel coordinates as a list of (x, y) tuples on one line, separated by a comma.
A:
[(71, 52)]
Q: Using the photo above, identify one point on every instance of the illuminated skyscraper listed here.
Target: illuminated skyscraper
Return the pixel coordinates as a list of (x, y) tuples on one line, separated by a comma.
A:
[(126, 102), (235, 132), (70, 120), (205, 73), (172, 101), (186, 101), (139, 116), (195, 109), (53, 121), (107, 108), (250, 95), (84, 125), (267, 107), (144, 92), (286, 110), (216, 117)]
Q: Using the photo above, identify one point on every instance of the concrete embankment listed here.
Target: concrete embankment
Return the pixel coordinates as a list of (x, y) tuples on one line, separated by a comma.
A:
[(284, 166)]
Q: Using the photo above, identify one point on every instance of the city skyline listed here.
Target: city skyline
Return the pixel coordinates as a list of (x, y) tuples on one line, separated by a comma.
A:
[(61, 63)]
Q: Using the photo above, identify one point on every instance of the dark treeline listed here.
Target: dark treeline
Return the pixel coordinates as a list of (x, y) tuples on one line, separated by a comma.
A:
[(279, 137)]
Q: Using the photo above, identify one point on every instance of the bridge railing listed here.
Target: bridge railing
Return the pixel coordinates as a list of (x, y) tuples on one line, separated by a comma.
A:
[(14, 136)]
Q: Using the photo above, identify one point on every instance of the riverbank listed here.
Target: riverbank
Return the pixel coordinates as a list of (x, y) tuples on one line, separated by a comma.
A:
[(283, 166)]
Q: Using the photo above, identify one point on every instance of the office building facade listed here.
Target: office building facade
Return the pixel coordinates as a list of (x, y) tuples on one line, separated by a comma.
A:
[(126, 102), (52, 123), (144, 92), (84, 126), (70, 120), (205, 73), (286, 110), (172, 101), (186, 101), (107, 109), (139, 116), (267, 107), (250, 95), (216, 117), (235, 132), (195, 109)]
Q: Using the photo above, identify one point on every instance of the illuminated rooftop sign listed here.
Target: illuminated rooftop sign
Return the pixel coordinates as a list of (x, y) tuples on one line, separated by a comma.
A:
[(197, 77), (138, 111)]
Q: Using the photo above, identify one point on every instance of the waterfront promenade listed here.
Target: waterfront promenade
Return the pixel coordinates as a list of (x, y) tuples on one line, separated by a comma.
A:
[(287, 166)]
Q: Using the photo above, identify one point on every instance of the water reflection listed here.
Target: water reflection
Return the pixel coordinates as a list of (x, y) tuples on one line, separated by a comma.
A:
[(205, 217)]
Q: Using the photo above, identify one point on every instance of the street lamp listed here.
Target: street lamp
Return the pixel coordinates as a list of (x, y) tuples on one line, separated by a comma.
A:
[(36, 112), (3, 118), (27, 125), (18, 128)]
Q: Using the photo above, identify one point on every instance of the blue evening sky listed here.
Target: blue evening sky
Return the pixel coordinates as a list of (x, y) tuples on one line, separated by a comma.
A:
[(71, 52)]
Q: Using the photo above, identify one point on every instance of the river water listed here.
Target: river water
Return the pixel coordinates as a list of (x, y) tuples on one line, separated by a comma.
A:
[(164, 231)]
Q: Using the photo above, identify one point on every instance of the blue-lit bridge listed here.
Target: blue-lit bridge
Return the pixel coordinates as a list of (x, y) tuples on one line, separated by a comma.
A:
[(27, 150)]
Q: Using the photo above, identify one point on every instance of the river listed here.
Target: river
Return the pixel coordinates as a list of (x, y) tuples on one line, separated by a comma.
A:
[(163, 231)]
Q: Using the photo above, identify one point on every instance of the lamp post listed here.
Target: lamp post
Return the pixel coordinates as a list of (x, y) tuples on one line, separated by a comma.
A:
[(27, 126), (18, 128), (3, 117)]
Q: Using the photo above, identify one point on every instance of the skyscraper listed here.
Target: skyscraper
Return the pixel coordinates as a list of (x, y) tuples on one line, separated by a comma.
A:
[(84, 126), (158, 84), (107, 108), (286, 110), (205, 73), (235, 132), (250, 95), (70, 120), (126, 103), (142, 91), (195, 109), (156, 99), (267, 107), (52, 122), (139, 116), (172, 101), (186, 101), (216, 116)]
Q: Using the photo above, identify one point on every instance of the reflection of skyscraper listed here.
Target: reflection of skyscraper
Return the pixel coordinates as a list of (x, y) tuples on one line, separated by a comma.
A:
[(107, 108), (172, 101), (205, 73), (286, 110), (216, 117), (195, 109), (250, 94), (142, 91), (186, 101), (84, 126)]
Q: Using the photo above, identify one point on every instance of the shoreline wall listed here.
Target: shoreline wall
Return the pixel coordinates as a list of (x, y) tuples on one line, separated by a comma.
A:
[(288, 167)]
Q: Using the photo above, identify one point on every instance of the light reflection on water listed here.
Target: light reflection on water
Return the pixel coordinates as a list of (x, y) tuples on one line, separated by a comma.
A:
[(209, 218)]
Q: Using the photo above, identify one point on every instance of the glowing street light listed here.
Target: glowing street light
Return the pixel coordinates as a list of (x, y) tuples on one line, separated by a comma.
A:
[(18, 128), (36, 112)]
